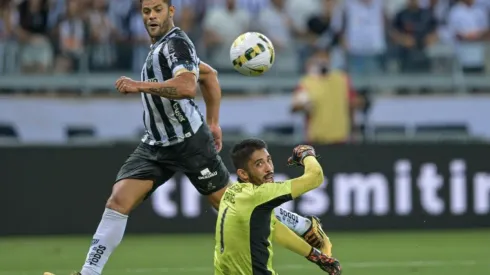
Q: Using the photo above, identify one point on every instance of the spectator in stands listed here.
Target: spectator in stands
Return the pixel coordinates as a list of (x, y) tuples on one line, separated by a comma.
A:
[(101, 32), (71, 34), (363, 24), (469, 29), (140, 40), (302, 13), (414, 30), (327, 99), (36, 54), (321, 35), (276, 23), (253, 7), (8, 18), (185, 14), (439, 9), (221, 26), (120, 13), (188, 16)]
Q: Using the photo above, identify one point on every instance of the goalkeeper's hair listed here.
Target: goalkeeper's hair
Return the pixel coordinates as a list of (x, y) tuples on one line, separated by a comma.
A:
[(169, 2), (241, 152)]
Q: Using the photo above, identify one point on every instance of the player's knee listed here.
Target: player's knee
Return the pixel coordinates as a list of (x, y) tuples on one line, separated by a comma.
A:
[(127, 194), (116, 203), (120, 202)]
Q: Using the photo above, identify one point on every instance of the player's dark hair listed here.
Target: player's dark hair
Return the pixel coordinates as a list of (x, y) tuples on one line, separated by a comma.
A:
[(169, 2), (241, 152)]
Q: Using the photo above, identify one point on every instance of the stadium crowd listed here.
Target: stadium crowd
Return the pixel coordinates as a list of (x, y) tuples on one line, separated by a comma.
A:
[(364, 36)]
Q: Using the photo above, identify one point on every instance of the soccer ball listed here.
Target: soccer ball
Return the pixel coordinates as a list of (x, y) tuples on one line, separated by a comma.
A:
[(252, 54)]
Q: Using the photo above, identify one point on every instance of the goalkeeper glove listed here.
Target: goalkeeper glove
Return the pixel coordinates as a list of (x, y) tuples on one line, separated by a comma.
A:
[(316, 237), (327, 264), (300, 152)]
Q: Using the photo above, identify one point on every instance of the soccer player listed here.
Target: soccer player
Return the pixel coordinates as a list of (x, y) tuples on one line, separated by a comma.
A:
[(177, 137), (246, 224)]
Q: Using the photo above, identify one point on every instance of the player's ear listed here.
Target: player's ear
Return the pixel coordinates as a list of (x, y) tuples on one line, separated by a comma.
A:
[(171, 10), (242, 174)]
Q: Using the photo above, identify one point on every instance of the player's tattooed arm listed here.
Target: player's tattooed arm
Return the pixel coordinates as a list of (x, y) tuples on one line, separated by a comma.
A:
[(163, 92), (182, 86)]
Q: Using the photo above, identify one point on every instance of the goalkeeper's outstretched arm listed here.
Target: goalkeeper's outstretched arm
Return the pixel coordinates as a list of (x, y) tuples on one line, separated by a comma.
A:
[(286, 238), (311, 179), (289, 240)]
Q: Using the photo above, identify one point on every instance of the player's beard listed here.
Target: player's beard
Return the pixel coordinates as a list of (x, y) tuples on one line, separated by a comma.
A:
[(258, 180), (162, 30)]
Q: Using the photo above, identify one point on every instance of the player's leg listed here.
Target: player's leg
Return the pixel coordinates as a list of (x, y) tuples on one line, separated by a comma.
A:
[(211, 180), (293, 221), (201, 163), (135, 181), (126, 195), (215, 197)]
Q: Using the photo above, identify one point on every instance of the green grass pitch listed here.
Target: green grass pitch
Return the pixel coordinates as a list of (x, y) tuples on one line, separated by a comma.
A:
[(464, 252)]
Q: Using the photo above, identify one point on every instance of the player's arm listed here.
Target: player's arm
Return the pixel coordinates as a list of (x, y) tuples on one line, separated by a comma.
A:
[(277, 193), (312, 177), (181, 59), (287, 239), (183, 84), (211, 92)]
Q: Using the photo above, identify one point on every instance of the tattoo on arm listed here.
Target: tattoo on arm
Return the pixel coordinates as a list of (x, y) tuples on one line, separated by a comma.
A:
[(163, 92)]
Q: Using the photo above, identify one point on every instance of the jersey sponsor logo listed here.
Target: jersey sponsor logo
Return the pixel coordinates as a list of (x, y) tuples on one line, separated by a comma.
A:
[(206, 174), (178, 114)]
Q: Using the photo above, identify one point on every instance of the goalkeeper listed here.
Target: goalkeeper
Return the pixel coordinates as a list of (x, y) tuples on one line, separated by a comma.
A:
[(246, 223)]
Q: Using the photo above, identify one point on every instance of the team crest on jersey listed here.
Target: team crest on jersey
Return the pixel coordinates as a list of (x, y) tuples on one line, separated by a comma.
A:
[(149, 61), (188, 66)]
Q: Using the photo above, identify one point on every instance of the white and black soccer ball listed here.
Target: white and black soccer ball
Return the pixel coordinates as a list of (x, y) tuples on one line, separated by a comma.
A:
[(252, 54)]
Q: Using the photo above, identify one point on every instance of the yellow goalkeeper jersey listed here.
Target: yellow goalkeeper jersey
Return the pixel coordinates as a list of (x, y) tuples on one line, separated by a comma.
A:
[(245, 227)]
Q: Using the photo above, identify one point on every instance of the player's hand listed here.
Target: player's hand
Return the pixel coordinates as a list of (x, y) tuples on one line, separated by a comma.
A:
[(126, 85), (316, 237), (327, 264), (218, 136), (300, 152)]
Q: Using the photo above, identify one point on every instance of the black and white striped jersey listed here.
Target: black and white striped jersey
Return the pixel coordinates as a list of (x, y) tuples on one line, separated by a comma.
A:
[(169, 122)]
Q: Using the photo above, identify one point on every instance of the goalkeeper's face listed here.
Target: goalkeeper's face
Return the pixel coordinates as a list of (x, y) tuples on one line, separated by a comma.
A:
[(157, 16), (260, 168)]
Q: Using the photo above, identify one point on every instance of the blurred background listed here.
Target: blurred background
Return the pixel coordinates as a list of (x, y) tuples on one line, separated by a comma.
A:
[(395, 94)]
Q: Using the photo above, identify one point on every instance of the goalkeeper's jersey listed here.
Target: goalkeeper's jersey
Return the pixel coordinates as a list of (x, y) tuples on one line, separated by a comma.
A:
[(245, 227)]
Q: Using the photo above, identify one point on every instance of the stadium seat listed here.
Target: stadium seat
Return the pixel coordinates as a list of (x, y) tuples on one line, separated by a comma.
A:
[(8, 131), (442, 132), (387, 132), (80, 132), (283, 130), (442, 128), (232, 133)]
